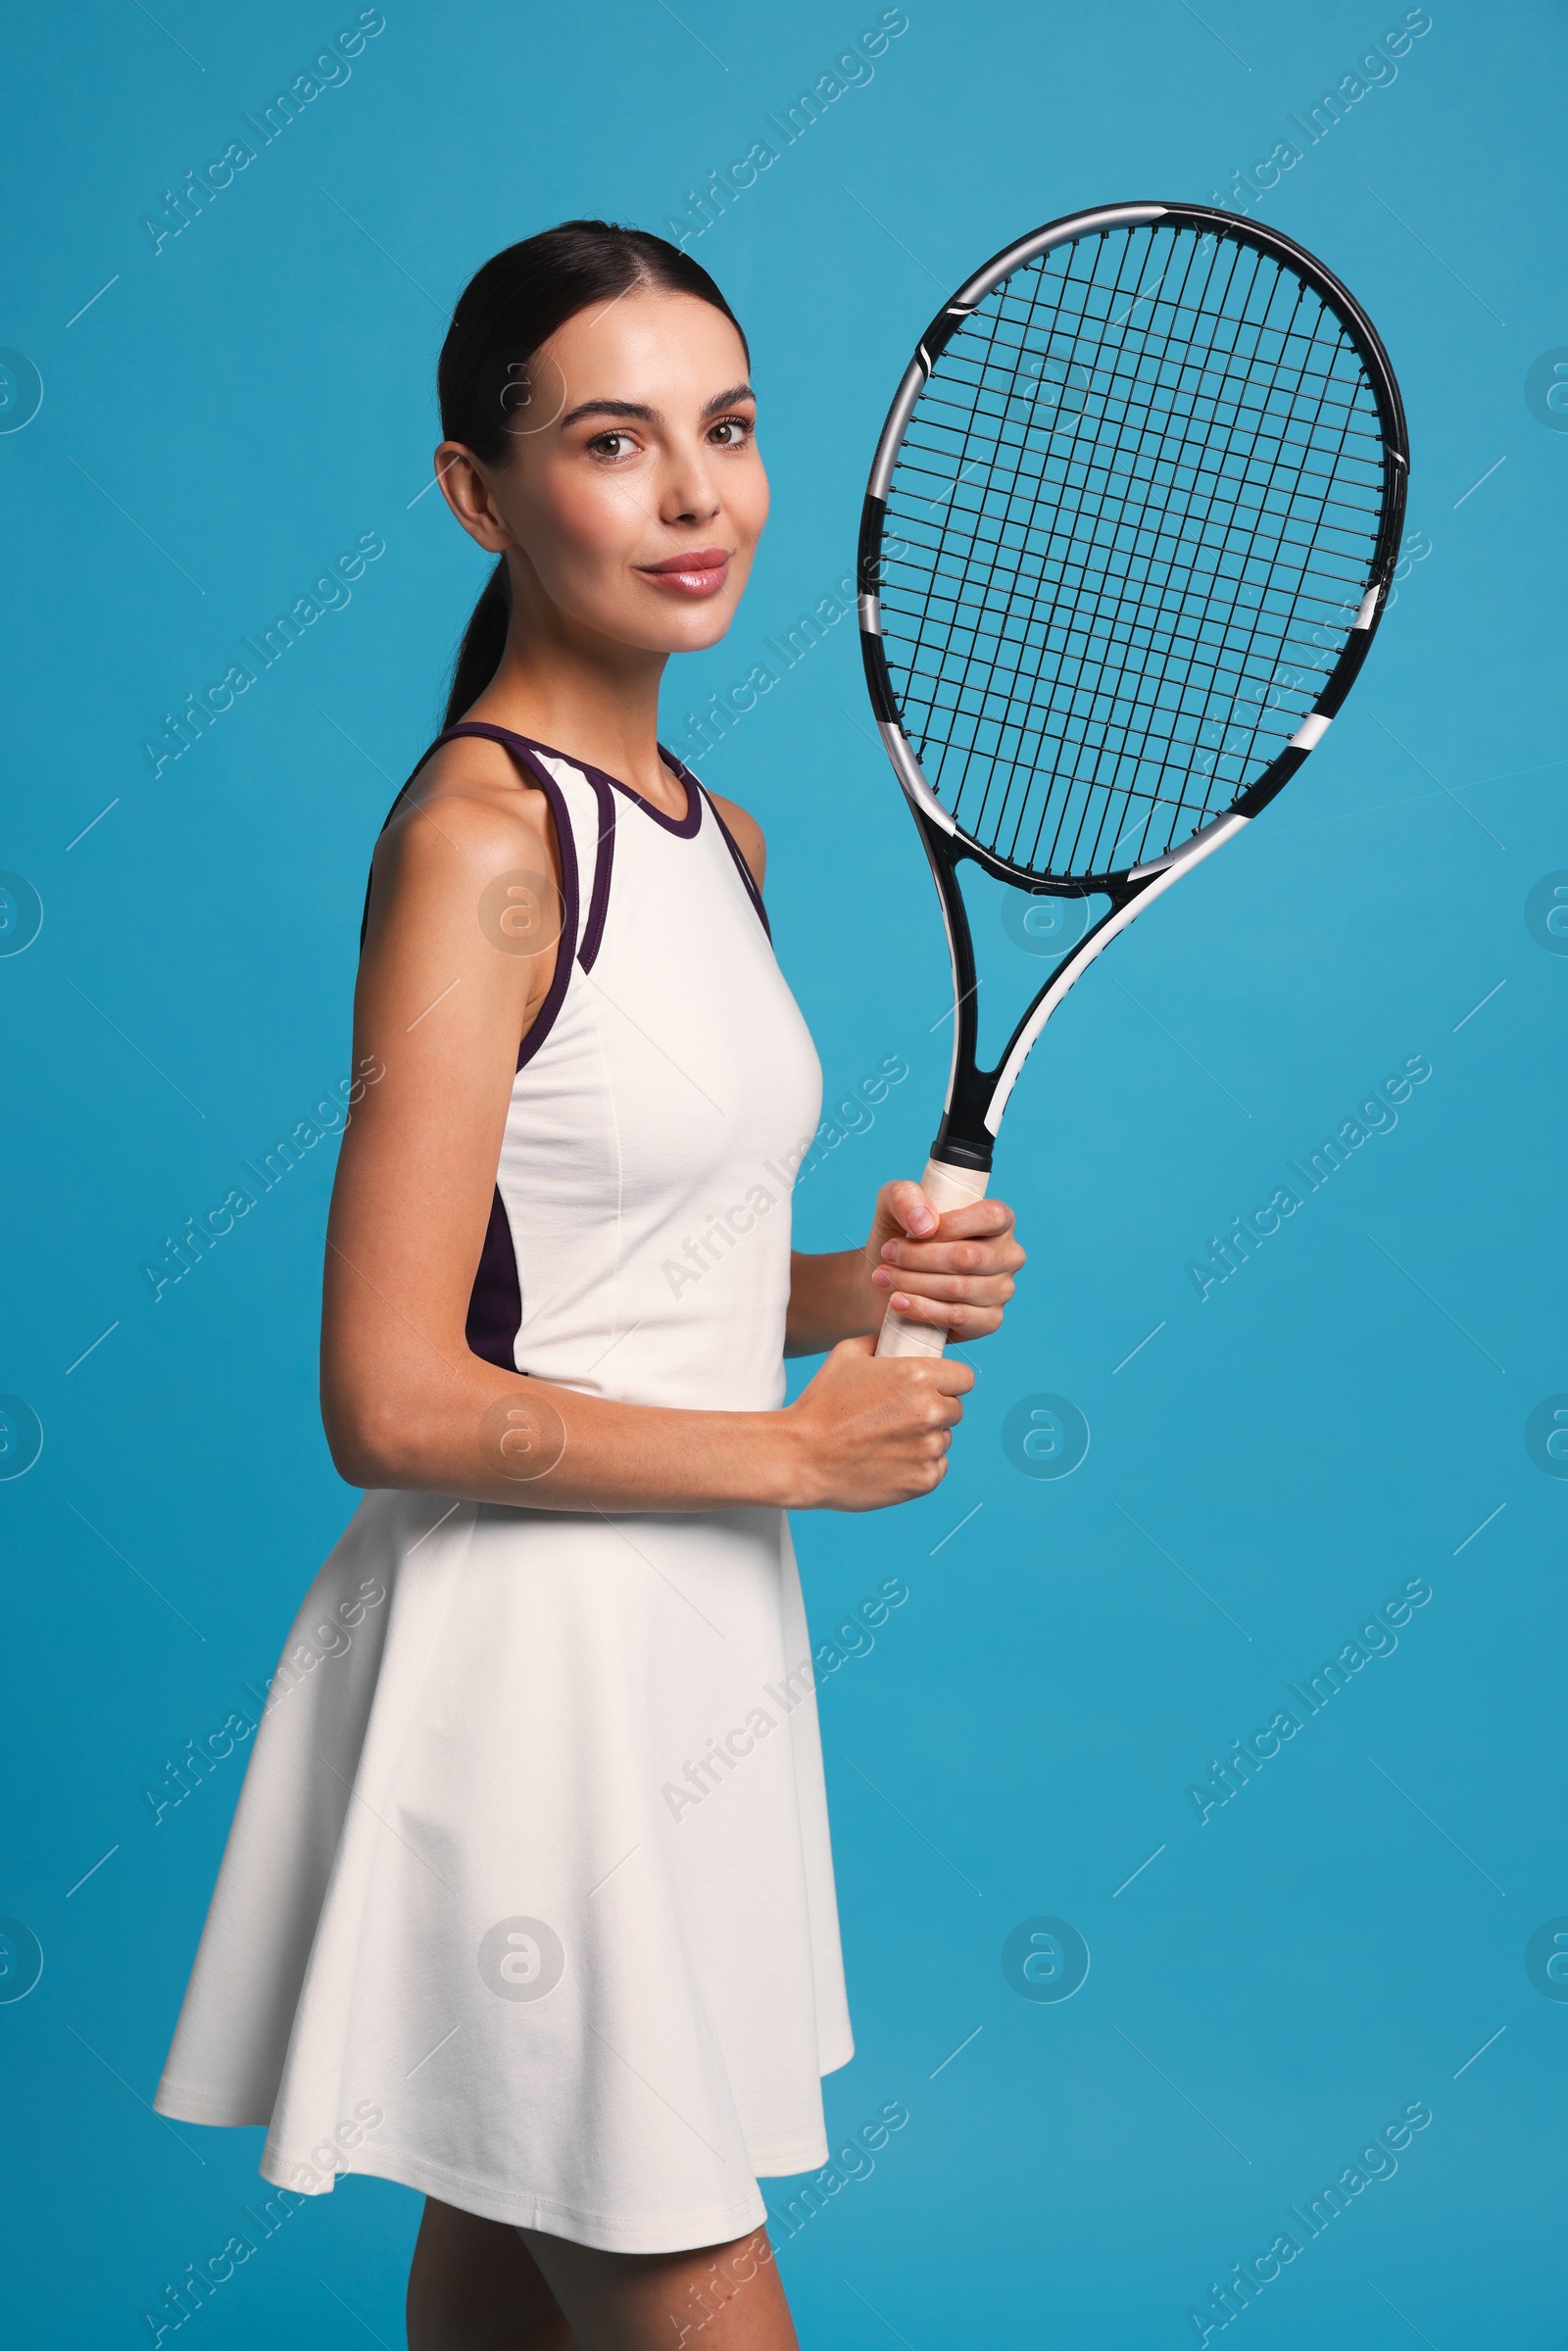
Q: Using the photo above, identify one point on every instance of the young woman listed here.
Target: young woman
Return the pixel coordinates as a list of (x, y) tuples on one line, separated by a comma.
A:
[(528, 1902)]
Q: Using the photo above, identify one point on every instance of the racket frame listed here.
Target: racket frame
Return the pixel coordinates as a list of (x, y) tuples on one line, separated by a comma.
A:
[(976, 1098)]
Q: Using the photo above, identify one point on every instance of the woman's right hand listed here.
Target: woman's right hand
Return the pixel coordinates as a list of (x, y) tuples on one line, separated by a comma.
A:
[(869, 1431)]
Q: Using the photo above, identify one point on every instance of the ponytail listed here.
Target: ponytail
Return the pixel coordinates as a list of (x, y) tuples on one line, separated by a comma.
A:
[(484, 641), (507, 309)]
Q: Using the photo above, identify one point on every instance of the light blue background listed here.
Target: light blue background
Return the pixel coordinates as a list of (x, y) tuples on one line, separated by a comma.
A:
[(1275, 1462)]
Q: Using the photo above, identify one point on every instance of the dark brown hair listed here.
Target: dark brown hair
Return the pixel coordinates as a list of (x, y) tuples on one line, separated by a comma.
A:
[(505, 311)]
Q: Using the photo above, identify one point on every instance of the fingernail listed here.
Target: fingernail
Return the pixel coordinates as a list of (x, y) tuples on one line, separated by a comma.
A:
[(881, 1277), (898, 1304)]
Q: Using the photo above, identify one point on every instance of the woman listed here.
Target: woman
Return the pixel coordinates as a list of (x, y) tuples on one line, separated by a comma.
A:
[(528, 1902)]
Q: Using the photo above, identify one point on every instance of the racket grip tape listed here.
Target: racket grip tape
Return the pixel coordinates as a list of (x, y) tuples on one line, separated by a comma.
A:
[(946, 1187)]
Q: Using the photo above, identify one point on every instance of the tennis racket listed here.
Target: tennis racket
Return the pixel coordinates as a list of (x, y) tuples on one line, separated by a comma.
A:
[(1128, 533)]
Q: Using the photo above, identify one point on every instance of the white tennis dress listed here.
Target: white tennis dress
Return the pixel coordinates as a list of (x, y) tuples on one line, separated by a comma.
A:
[(528, 1899)]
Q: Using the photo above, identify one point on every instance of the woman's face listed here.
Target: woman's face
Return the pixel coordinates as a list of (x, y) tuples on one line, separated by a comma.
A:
[(634, 495)]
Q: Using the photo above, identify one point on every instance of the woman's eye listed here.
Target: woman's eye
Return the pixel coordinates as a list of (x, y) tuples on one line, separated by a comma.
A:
[(731, 431), (610, 444)]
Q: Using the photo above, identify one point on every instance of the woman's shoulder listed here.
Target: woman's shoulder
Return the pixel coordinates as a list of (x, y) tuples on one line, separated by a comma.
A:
[(470, 796), (468, 817), (478, 779)]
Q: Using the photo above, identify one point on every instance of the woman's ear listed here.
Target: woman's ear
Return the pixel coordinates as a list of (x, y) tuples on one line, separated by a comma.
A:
[(467, 493)]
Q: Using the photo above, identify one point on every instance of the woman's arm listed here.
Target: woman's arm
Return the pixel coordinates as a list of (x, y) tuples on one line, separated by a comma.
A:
[(443, 1000)]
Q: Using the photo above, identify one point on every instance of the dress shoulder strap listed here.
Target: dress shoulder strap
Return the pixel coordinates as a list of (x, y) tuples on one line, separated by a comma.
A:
[(731, 843), (526, 756)]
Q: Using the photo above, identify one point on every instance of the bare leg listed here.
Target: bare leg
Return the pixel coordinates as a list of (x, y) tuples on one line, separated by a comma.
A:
[(474, 2285), (715, 2298)]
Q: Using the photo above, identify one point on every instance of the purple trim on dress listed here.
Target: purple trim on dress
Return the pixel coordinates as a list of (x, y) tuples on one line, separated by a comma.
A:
[(741, 867), (522, 751), (593, 930), (495, 1305), (685, 825), (424, 758)]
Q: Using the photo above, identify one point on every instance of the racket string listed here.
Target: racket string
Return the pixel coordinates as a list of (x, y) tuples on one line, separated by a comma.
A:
[(963, 461), (1132, 794), (1122, 602), (1129, 252), (1119, 682), (1227, 622), (1129, 535), (1027, 325)]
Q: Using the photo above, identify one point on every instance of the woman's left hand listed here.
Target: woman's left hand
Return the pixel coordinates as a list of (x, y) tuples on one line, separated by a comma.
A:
[(955, 1271)]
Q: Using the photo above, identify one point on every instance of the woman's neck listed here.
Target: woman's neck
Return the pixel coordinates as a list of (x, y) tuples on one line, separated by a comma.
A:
[(605, 711)]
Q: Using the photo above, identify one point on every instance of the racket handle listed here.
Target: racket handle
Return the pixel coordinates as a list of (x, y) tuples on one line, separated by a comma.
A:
[(946, 1187)]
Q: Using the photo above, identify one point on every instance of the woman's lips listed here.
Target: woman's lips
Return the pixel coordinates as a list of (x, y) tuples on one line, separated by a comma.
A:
[(699, 571)]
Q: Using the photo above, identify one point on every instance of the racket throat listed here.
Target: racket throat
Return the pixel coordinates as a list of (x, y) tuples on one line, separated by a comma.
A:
[(964, 1138)]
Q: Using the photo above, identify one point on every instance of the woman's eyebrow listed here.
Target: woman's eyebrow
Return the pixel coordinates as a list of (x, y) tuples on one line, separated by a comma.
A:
[(647, 415), (612, 408)]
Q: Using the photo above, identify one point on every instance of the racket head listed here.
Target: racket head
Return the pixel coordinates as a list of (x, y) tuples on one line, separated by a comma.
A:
[(1129, 531)]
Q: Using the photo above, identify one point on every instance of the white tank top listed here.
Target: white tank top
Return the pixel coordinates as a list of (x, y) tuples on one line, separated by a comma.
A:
[(639, 1241)]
